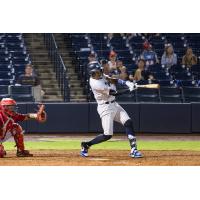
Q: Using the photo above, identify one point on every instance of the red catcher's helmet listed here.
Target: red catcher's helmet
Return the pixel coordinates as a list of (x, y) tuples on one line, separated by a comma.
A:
[(8, 102), (4, 105)]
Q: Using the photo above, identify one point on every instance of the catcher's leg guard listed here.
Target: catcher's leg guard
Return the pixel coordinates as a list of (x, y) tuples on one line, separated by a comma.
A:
[(19, 140), (2, 151)]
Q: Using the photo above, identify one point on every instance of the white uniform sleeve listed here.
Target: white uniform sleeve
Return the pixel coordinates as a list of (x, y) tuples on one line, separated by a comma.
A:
[(100, 87)]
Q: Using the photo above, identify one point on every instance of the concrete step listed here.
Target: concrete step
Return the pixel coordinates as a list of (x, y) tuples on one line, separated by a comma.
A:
[(39, 55), (77, 96), (75, 85), (53, 98), (47, 76), (49, 82), (51, 92), (72, 81)]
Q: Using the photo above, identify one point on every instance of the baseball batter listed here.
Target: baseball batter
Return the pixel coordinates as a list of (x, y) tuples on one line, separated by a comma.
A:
[(109, 111), (9, 126)]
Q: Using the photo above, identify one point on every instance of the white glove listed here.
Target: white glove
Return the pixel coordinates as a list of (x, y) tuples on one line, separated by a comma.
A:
[(130, 85)]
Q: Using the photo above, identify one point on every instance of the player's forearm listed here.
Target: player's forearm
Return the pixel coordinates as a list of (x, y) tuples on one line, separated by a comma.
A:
[(30, 116)]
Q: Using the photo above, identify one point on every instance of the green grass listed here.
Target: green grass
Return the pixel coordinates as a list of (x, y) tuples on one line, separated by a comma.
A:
[(112, 145)]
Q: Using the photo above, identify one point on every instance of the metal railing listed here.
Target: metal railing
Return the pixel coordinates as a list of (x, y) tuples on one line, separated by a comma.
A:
[(59, 66)]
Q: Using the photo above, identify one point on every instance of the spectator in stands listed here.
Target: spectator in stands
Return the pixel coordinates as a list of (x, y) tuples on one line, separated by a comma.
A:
[(141, 73), (30, 78), (123, 74), (110, 35), (189, 58), (120, 71), (148, 55), (169, 58), (93, 62), (105, 66), (112, 61)]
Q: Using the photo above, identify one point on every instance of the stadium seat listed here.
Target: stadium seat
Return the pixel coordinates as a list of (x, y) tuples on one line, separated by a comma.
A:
[(131, 97), (6, 81), (4, 93), (156, 68), (21, 93), (165, 82), (183, 76), (177, 69), (5, 75), (195, 69), (191, 94), (171, 94), (147, 95), (190, 83)]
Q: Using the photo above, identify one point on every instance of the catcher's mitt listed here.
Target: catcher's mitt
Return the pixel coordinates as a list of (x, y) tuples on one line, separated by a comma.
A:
[(41, 114)]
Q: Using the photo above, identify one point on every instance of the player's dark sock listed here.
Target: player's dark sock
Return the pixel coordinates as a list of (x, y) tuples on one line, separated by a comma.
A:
[(130, 133), (98, 139)]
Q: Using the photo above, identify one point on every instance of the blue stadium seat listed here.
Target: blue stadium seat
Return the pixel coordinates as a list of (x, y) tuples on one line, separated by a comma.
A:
[(161, 76), (6, 81), (4, 61), (177, 69), (21, 93), (6, 75), (4, 93), (136, 39), (191, 94), (147, 95), (127, 97), (156, 68), (166, 83), (171, 94), (195, 69), (190, 83), (183, 76)]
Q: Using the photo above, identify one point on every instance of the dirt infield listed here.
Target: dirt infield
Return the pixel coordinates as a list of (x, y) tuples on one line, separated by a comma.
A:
[(103, 158)]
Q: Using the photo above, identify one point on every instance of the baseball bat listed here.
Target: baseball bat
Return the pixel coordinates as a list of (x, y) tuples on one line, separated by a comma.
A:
[(156, 86)]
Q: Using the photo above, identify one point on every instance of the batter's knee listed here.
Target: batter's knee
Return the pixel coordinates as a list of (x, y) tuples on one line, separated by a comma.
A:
[(107, 137), (128, 123)]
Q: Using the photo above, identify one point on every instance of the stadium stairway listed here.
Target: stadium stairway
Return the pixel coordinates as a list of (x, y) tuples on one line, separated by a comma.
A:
[(76, 92), (43, 65)]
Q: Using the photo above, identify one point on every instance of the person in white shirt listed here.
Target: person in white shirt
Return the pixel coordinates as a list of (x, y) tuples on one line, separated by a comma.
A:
[(104, 90)]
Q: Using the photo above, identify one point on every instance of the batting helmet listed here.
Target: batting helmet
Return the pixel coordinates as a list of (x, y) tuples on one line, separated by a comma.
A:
[(94, 67)]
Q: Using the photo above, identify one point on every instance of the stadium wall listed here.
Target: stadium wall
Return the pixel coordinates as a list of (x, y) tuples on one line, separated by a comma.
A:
[(147, 117)]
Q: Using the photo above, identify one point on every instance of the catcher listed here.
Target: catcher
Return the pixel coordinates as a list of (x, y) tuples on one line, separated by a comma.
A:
[(9, 126)]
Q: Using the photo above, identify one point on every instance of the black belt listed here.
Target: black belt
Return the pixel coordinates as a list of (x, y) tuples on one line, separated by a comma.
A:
[(109, 102)]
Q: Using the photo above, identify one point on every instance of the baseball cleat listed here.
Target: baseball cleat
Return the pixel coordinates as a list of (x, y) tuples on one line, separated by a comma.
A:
[(84, 149), (135, 154), (24, 153)]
